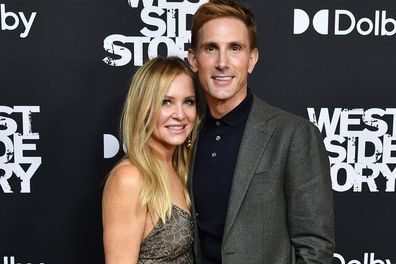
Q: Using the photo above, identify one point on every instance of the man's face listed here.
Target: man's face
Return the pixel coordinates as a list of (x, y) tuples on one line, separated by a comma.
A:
[(223, 60)]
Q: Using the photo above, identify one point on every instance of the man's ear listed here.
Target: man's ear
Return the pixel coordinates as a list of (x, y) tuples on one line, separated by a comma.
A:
[(253, 58), (192, 60)]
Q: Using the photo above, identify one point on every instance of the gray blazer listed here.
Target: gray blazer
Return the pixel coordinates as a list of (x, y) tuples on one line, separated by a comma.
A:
[(281, 205)]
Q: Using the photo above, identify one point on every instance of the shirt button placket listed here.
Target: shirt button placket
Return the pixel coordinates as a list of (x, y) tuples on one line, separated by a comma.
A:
[(214, 154)]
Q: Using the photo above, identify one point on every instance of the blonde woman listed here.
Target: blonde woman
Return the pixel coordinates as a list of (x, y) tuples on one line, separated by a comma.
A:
[(146, 207)]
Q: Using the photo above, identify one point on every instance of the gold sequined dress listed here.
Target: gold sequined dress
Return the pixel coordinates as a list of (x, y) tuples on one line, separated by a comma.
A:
[(171, 242)]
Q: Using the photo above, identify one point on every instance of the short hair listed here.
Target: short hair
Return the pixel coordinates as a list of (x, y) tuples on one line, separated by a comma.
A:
[(219, 9)]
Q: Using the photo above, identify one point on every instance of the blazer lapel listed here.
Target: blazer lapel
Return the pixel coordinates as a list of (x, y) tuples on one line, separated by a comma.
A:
[(254, 140)]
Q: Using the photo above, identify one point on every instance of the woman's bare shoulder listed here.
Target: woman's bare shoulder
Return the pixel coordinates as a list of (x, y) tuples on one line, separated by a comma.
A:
[(125, 176)]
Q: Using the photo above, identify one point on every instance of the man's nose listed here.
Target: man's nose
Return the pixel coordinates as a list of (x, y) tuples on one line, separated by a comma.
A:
[(222, 60)]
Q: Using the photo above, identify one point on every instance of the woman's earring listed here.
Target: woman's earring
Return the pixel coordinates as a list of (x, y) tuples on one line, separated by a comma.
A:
[(188, 142)]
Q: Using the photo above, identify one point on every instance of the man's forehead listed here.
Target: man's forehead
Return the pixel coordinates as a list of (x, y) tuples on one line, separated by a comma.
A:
[(223, 30), (225, 20)]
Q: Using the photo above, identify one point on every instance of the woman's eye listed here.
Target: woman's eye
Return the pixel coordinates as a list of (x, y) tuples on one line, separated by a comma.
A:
[(190, 102), (166, 102)]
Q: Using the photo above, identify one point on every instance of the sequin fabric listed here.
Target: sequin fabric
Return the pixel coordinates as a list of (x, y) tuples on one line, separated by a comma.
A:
[(170, 242)]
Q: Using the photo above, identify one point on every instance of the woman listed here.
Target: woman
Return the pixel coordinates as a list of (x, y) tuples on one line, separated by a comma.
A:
[(146, 205)]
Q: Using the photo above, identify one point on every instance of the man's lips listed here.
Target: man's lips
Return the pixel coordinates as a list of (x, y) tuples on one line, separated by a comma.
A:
[(222, 78)]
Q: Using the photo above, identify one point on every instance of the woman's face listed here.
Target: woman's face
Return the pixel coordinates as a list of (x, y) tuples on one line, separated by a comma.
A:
[(177, 115)]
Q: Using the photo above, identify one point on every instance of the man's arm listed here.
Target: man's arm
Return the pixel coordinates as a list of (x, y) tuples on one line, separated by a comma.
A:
[(310, 197)]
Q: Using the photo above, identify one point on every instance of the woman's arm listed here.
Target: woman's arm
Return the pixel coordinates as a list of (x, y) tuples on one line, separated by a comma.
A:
[(123, 216)]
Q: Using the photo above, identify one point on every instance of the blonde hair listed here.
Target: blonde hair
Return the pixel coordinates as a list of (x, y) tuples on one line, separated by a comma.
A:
[(139, 117)]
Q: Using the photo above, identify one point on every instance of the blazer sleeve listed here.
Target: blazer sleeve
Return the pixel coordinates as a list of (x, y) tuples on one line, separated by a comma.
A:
[(309, 196)]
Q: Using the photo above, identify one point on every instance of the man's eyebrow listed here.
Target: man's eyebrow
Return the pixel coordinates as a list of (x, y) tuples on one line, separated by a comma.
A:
[(237, 43), (209, 43), (232, 43), (240, 44)]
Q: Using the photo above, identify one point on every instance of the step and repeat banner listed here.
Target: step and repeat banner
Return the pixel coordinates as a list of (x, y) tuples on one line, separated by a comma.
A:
[(65, 67)]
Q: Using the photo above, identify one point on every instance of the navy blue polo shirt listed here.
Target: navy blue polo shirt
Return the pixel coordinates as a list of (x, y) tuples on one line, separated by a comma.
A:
[(215, 160)]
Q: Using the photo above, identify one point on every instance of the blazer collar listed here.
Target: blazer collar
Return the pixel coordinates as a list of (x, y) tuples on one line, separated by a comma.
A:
[(255, 138)]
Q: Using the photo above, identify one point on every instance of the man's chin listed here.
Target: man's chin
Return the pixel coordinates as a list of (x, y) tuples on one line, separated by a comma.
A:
[(221, 94)]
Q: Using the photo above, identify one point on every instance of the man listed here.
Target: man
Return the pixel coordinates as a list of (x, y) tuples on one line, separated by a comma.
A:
[(260, 183)]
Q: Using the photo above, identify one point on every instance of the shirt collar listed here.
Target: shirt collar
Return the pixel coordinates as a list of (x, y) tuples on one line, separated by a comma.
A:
[(235, 117)]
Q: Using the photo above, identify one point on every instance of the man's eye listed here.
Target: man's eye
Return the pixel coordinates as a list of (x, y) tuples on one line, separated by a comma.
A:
[(235, 48), (210, 48), (166, 102)]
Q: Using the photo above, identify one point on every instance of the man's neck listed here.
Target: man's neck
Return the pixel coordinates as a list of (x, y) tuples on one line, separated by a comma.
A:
[(219, 108)]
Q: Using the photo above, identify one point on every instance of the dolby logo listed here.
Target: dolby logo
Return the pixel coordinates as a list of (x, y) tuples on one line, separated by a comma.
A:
[(345, 22)]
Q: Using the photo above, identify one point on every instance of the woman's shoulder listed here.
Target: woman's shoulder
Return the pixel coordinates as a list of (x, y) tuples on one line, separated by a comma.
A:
[(125, 176)]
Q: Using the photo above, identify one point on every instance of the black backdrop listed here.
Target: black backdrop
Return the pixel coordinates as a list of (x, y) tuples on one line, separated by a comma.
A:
[(65, 67)]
